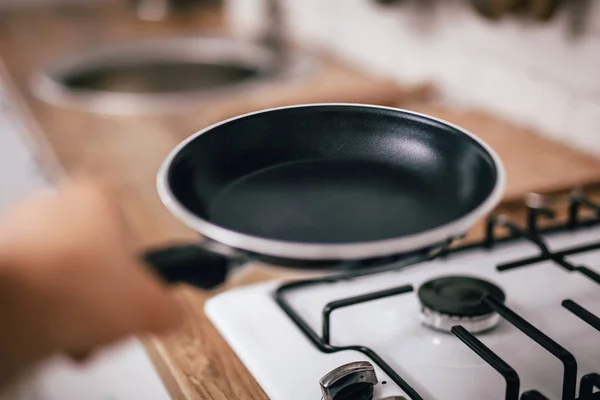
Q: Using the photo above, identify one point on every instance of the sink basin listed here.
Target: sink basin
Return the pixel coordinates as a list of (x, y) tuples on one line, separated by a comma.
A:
[(165, 75)]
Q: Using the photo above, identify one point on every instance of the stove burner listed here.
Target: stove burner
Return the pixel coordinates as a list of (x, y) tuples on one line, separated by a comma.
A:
[(454, 300)]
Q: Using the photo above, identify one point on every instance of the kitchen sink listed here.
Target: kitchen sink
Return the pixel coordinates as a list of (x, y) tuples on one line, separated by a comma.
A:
[(166, 75)]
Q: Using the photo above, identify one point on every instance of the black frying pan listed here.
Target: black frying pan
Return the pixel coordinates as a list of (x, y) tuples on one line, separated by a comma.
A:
[(322, 186)]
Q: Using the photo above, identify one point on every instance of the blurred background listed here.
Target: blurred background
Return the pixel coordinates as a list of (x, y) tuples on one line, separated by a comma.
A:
[(109, 87), (533, 62)]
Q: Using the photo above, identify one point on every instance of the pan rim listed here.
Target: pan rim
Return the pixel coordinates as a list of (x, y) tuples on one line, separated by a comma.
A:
[(329, 251)]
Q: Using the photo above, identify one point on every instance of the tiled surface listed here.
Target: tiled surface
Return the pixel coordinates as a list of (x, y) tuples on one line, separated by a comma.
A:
[(533, 73), (123, 372)]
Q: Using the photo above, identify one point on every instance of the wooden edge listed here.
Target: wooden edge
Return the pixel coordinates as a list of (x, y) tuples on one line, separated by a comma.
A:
[(165, 370)]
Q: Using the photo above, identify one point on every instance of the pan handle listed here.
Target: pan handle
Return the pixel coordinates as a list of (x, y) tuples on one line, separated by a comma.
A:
[(189, 263)]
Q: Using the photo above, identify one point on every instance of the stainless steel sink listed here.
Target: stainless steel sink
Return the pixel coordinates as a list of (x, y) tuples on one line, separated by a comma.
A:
[(166, 75)]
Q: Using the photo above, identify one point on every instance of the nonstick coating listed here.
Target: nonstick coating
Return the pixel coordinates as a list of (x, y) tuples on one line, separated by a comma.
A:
[(332, 174)]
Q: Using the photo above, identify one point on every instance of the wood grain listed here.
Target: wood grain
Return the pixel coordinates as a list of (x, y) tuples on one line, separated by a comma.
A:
[(125, 153)]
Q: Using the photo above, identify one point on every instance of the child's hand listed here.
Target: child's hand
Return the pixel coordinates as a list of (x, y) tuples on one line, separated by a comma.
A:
[(70, 280)]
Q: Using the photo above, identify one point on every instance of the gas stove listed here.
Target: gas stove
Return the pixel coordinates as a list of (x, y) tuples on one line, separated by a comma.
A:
[(514, 316)]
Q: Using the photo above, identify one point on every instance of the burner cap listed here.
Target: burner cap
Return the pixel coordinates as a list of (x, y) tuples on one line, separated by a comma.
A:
[(454, 300), (459, 296)]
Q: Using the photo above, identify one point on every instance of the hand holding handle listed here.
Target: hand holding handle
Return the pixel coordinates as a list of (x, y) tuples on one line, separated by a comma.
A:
[(189, 264)]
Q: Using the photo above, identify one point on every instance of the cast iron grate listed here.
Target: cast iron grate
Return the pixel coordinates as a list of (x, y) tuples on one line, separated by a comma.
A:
[(577, 202)]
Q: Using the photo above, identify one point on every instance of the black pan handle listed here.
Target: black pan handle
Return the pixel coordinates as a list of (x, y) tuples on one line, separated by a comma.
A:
[(190, 264)]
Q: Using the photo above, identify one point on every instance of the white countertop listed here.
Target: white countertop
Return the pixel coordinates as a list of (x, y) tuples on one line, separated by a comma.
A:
[(123, 372)]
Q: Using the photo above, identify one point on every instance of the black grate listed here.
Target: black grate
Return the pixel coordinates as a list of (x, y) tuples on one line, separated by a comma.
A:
[(533, 395), (322, 342), (510, 375), (531, 232), (582, 313), (334, 305), (588, 383), (567, 359)]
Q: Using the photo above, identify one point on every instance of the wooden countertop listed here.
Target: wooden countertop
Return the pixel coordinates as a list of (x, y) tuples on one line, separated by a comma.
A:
[(125, 153)]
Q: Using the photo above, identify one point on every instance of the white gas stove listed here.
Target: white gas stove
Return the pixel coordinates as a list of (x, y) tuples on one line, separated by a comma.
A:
[(512, 320)]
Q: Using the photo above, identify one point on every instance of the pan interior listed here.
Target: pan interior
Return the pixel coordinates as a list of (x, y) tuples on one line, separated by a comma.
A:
[(332, 174)]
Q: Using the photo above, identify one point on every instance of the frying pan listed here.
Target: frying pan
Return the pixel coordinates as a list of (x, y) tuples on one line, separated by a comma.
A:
[(322, 187)]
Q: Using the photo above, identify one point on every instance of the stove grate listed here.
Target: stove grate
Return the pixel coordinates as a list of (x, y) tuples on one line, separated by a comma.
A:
[(582, 313), (533, 395), (577, 203), (350, 301), (323, 342), (508, 372), (567, 359), (588, 383)]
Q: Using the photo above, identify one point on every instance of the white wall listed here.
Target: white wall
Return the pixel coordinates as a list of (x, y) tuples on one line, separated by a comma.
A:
[(530, 72)]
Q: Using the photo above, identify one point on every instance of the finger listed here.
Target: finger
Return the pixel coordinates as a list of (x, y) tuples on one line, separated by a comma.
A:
[(162, 310), (125, 300), (155, 308)]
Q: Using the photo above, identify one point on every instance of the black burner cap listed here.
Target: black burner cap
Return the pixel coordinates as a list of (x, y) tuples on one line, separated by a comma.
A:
[(459, 296)]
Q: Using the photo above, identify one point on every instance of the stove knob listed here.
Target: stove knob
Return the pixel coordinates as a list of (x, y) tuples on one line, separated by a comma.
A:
[(353, 381)]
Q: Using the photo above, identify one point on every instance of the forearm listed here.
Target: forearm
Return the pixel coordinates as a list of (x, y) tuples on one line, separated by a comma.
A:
[(70, 281)]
